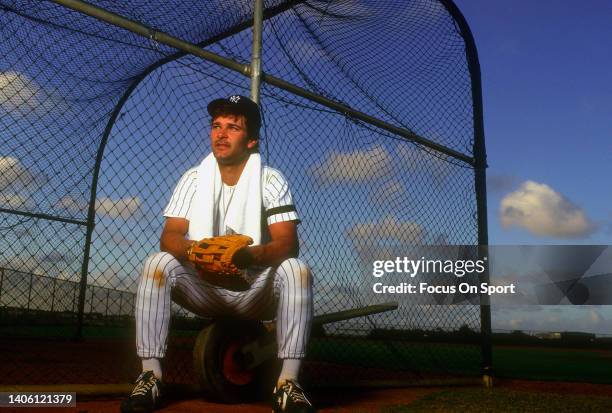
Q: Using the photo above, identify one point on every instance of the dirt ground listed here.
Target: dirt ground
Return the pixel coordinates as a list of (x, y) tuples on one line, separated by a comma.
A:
[(336, 401), (362, 400), (34, 362)]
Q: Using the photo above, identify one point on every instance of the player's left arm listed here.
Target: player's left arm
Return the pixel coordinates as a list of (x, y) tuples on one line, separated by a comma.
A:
[(283, 244)]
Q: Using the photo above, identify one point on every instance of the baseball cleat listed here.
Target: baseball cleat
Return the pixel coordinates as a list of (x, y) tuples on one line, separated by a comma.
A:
[(146, 395), (290, 397)]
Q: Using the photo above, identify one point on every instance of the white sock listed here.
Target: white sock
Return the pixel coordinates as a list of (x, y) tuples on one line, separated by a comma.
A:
[(290, 371), (154, 365)]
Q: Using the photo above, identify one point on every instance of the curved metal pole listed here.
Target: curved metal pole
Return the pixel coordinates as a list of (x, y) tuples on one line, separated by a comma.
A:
[(480, 179)]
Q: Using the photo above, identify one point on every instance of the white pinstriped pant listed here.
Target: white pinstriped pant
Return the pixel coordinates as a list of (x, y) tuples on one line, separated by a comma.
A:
[(164, 278)]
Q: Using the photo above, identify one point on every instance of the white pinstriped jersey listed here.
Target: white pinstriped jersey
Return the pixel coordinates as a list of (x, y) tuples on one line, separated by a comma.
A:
[(284, 290), (277, 201)]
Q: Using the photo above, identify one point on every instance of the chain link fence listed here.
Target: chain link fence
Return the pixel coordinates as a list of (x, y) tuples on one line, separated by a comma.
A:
[(98, 124)]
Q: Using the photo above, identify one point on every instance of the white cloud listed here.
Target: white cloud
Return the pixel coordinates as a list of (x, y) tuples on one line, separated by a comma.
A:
[(384, 239), (503, 311), (18, 91), (515, 323), (542, 211), (419, 160), (120, 208), (388, 192), (358, 166), (14, 201), (55, 257), (71, 204), (389, 228), (121, 239), (553, 318), (108, 279), (13, 173), (22, 95)]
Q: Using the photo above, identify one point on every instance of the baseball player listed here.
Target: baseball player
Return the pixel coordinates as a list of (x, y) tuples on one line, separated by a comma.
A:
[(281, 284)]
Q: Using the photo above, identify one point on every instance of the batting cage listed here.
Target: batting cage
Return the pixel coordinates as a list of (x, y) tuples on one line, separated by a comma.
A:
[(371, 108)]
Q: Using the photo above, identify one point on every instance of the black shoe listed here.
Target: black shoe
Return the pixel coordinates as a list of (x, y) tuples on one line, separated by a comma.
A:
[(146, 395), (290, 397)]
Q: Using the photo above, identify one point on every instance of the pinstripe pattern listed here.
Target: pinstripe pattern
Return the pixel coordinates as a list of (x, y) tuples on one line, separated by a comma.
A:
[(284, 292), (293, 287), (183, 195), (164, 278), (275, 194)]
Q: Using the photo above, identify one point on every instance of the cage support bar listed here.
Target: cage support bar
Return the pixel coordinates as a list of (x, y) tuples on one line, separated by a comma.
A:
[(44, 216), (480, 182), (257, 50), (354, 313), (166, 39)]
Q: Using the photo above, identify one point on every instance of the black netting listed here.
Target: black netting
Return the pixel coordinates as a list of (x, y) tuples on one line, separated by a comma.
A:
[(85, 105)]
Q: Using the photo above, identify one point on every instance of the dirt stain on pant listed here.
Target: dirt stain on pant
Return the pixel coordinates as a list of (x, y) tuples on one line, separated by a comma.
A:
[(158, 277)]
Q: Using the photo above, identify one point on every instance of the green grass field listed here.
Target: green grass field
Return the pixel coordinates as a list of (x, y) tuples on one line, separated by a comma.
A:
[(394, 355), (553, 364), (533, 363)]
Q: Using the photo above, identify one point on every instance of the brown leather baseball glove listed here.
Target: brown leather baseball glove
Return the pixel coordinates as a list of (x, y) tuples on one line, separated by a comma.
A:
[(214, 258)]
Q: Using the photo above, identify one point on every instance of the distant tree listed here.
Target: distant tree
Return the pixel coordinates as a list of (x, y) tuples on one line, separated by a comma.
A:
[(465, 330)]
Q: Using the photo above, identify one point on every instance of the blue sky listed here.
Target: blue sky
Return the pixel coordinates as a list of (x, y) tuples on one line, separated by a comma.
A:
[(547, 91)]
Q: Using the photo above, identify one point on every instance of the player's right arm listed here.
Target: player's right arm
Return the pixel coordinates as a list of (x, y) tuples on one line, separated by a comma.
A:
[(173, 239)]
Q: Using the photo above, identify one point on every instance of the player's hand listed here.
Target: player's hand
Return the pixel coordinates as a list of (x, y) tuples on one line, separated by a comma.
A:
[(243, 258)]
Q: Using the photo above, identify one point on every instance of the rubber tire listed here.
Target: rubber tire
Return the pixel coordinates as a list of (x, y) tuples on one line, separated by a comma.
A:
[(210, 350)]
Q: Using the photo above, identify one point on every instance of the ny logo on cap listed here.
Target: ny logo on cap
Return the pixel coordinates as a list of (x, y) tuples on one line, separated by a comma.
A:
[(234, 99)]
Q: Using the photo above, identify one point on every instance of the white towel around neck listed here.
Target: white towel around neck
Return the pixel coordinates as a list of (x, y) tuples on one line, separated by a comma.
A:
[(244, 212)]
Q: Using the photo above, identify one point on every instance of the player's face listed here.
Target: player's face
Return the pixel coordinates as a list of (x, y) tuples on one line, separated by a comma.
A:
[(229, 140)]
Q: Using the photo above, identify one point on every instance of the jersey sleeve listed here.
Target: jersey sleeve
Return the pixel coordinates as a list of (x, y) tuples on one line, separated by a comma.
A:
[(277, 200), (182, 197)]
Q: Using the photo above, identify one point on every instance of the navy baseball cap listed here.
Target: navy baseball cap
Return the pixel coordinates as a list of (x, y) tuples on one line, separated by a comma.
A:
[(241, 105)]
